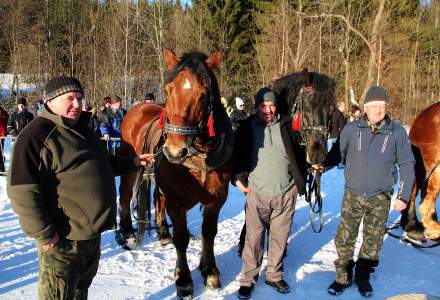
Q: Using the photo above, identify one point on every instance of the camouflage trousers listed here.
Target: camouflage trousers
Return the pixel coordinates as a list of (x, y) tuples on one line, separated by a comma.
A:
[(374, 212), (66, 271)]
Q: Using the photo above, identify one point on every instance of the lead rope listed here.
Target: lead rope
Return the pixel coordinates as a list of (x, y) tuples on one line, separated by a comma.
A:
[(315, 207)]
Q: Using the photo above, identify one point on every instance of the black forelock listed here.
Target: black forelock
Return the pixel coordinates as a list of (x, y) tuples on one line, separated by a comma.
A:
[(288, 87)]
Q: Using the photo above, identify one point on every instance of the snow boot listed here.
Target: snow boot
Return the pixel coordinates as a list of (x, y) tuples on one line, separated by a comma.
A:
[(337, 288), (364, 267)]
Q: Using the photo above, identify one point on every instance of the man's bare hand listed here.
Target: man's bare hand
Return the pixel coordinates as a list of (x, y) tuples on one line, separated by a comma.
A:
[(399, 205), (318, 168), (144, 159), (241, 187), (52, 242), (106, 137)]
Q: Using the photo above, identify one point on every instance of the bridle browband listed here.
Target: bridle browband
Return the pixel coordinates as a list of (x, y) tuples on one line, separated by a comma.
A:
[(191, 129)]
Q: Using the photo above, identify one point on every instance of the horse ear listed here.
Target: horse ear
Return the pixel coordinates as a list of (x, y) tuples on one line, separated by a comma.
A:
[(214, 61), (170, 58)]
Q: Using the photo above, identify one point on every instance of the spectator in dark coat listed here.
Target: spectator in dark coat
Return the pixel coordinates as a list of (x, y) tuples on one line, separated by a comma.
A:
[(238, 114), (20, 118), (337, 120), (3, 132)]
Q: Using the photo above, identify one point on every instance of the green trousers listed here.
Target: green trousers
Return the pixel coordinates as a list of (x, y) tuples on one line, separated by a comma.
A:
[(374, 212), (66, 271)]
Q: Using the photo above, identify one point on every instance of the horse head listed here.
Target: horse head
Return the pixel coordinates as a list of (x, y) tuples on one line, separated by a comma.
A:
[(191, 90), (308, 97)]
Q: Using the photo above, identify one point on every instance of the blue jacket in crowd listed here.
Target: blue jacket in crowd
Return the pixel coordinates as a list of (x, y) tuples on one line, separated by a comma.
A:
[(111, 124), (371, 157)]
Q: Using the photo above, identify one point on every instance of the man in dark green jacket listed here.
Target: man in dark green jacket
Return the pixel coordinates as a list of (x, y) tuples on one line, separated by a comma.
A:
[(270, 168), (61, 185)]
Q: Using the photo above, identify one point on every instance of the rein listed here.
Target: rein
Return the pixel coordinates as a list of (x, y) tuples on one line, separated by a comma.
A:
[(144, 207), (313, 182), (315, 207)]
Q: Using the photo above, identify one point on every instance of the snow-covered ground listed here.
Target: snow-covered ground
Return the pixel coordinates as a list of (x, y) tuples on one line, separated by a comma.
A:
[(148, 273)]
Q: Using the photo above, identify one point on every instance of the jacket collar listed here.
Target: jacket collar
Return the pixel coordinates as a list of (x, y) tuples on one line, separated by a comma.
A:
[(384, 127)]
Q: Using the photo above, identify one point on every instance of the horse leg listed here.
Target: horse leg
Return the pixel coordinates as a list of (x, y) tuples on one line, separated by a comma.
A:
[(427, 206), (125, 195), (161, 220), (208, 268), (409, 222), (182, 274)]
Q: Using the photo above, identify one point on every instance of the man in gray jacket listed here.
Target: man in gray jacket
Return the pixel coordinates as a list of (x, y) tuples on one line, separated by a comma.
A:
[(370, 148)]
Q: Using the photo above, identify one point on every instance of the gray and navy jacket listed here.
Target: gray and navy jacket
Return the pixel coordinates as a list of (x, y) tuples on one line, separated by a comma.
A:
[(243, 140), (371, 157)]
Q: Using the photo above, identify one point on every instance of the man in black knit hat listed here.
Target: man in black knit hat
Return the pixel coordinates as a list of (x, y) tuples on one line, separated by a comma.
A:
[(370, 147), (61, 185)]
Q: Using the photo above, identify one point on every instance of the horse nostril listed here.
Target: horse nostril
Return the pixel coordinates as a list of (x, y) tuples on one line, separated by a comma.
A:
[(184, 152)]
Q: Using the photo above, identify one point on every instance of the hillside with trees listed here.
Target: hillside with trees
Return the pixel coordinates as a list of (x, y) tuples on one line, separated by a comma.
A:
[(116, 46)]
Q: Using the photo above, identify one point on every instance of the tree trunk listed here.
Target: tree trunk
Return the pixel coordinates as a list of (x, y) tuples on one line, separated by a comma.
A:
[(373, 44)]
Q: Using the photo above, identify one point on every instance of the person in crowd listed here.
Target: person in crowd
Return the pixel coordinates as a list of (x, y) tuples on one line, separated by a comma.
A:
[(226, 105), (370, 147), (355, 113), (337, 121), (149, 98), (111, 121), (270, 168), (61, 185), (238, 114), (20, 118), (94, 120), (3, 133)]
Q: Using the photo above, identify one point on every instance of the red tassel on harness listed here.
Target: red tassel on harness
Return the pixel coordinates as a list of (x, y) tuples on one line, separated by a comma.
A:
[(162, 119), (296, 122), (210, 125)]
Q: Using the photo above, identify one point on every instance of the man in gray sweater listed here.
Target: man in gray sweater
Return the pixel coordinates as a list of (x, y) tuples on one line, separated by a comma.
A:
[(270, 168)]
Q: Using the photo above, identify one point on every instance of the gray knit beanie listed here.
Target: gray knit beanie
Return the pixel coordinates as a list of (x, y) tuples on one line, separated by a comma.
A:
[(265, 94), (376, 93), (60, 85)]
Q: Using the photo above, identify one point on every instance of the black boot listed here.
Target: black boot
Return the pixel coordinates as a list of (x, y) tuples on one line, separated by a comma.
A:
[(245, 292), (337, 288), (364, 267)]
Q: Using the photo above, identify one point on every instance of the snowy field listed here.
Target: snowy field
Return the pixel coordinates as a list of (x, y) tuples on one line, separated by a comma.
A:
[(148, 273)]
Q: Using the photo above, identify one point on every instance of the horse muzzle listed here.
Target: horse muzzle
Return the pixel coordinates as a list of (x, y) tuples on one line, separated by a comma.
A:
[(175, 155)]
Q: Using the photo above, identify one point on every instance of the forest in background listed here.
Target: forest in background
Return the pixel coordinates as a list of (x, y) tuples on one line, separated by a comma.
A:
[(115, 47)]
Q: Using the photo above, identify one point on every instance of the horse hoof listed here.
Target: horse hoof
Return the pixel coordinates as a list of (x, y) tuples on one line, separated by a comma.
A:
[(185, 292), (416, 235), (433, 235), (212, 282)]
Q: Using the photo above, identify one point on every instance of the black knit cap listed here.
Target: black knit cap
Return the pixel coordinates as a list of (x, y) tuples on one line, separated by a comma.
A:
[(21, 100), (376, 93), (60, 85), (265, 94)]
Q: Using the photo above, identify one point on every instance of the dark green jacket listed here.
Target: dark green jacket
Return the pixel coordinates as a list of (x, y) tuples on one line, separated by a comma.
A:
[(61, 179)]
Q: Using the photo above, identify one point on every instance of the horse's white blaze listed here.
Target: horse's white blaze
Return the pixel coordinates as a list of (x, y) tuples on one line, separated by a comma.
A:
[(186, 84)]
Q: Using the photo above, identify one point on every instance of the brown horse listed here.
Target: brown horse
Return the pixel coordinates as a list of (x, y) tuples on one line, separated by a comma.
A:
[(196, 166), (424, 136)]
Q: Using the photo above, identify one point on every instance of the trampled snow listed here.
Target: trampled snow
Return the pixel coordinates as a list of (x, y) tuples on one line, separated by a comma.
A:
[(148, 273)]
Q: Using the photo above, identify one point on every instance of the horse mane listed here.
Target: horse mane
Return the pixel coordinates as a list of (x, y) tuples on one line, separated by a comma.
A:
[(288, 87), (195, 62)]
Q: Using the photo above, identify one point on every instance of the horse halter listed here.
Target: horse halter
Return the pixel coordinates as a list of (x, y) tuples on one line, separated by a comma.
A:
[(188, 129), (298, 123)]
